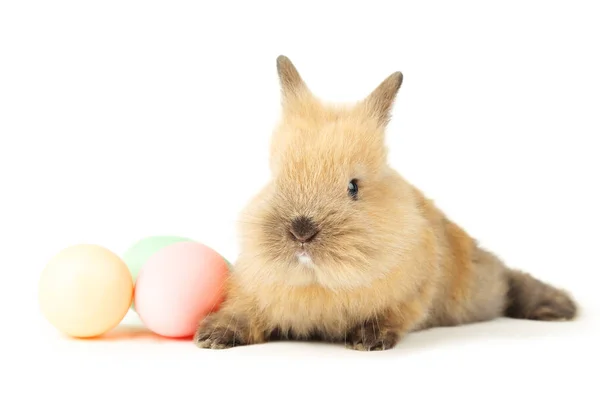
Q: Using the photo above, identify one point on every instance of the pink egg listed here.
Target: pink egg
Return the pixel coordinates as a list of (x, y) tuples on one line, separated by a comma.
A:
[(178, 286)]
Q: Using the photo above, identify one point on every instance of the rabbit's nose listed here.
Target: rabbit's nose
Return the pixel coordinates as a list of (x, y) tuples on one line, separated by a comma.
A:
[(304, 229)]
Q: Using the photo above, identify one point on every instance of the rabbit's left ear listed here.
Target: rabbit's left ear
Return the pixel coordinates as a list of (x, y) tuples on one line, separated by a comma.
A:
[(381, 100), (292, 85)]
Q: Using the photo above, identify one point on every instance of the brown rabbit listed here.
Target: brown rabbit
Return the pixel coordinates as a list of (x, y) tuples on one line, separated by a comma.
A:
[(339, 247)]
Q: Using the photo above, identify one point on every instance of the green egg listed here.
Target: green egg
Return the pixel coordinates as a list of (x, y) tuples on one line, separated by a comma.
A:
[(137, 255)]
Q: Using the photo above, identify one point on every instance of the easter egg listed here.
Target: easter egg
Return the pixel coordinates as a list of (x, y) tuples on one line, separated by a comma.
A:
[(178, 286), (85, 290), (139, 252), (137, 255)]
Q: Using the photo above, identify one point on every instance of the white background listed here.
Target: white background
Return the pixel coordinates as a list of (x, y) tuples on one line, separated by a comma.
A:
[(122, 119)]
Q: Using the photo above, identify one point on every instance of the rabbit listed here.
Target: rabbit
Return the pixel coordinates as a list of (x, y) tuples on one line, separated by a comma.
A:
[(338, 247)]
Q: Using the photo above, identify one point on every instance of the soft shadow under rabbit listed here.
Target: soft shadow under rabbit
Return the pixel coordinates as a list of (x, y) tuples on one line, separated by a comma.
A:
[(339, 247)]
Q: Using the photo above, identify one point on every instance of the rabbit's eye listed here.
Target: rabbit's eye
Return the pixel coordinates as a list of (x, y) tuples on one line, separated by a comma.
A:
[(353, 188)]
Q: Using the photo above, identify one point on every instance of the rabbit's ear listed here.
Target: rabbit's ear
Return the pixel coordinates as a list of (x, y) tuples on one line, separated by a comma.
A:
[(292, 85), (381, 100)]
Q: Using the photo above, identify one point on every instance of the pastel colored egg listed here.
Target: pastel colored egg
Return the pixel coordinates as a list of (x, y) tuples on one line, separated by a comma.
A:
[(85, 290), (178, 286), (137, 255)]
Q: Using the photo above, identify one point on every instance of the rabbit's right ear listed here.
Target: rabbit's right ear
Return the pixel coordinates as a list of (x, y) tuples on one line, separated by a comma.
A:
[(292, 85)]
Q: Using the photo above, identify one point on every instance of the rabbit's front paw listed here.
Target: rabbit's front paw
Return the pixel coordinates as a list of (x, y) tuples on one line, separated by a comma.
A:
[(215, 333), (369, 336)]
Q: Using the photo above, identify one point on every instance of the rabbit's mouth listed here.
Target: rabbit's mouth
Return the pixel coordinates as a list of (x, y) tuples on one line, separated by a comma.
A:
[(304, 257)]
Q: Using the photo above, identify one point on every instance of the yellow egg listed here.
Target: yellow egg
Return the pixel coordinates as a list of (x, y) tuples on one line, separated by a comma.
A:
[(85, 290)]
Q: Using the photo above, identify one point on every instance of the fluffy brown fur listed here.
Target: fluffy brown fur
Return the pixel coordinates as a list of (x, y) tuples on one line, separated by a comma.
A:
[(371, 265)]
